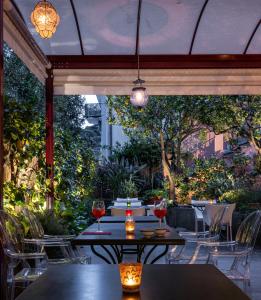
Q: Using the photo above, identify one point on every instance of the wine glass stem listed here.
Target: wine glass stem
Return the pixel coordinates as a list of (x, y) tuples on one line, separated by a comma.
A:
[(160, 222), (99, 228)]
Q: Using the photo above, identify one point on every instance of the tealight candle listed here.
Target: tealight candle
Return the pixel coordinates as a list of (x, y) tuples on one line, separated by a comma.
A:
[(129, 226), (130, 274)]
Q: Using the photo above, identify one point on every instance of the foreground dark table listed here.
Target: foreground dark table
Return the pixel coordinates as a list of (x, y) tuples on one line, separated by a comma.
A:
[(121, 219), (159, 282), (113, 244)]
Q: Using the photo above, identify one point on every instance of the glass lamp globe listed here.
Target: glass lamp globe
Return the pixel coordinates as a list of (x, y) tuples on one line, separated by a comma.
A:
[(139, 96), (45, 19)]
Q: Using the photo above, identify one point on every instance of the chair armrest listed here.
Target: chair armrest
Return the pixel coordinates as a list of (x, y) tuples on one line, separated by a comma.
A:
[(192, 233), (47, 242), (229, 254), (63, 237), (218, 244), (33, 255)]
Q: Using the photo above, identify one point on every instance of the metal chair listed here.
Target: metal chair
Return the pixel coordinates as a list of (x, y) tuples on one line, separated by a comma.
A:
[(238, 251), (189, 253), (69, 254), (30, 263), (210, 211)]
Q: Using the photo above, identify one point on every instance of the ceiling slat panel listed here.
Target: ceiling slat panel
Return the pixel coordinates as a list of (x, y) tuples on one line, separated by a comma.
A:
[(255, 46), (226, 26), (108, 27), (167, 26)]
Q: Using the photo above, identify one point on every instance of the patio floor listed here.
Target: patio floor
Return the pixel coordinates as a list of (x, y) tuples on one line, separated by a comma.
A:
[(254, 291)]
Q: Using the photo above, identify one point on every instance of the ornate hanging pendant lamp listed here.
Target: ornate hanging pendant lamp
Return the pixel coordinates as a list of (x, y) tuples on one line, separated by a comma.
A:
[(45, 19), (139, 96)]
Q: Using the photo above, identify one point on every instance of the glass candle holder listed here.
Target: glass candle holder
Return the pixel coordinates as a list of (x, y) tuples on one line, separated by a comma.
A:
[(130, 274), (130, 236), (130, 226)]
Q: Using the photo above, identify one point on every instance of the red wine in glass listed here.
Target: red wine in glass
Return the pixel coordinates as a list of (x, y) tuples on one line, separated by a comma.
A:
[(160, 211), (98, 211)]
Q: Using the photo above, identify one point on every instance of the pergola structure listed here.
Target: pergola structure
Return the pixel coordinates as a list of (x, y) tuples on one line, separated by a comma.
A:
[(186, 47)]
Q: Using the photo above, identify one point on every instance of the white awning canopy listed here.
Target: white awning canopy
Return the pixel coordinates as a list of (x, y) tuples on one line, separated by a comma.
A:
[(167, 28), (159, 81)]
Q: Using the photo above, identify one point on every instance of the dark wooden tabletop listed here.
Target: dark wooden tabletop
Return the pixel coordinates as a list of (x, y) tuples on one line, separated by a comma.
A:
[(119, 237), (128, 207), (121, 219), (165, 282)]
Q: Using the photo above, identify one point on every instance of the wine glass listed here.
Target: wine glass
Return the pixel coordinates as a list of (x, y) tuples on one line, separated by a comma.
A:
[(160, 210), (98, 211)]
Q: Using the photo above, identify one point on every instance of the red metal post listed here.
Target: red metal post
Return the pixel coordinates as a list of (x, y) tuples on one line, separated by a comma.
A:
[(49, 138), (1, 107), (3, 281)]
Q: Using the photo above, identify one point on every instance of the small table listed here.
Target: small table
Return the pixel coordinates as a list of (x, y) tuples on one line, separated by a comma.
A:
[(112, 244), (166, 282), (121, 219), (199, 206)]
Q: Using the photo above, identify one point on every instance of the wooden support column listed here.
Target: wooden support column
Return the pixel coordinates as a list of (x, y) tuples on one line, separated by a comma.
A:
[(49, 139)]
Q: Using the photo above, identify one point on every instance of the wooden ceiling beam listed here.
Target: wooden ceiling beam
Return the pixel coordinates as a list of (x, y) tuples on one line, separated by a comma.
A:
[(156, 61)]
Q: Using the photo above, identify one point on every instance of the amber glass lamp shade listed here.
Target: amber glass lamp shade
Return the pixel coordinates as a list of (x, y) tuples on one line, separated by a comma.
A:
[(45, 19), (130, 274)]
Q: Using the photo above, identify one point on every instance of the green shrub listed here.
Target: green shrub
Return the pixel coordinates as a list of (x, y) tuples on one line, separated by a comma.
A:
[(242, 198), (151, 196), (52, 223)]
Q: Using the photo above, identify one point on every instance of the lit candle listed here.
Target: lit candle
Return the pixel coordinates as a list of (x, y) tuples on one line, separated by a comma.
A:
[(129, 226), (130, 274)]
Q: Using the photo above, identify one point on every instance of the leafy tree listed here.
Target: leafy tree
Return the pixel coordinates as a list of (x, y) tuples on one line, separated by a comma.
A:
[(23, 134), (238, 115), (141, 152), (75, 164), (24, 142), (168, 120)]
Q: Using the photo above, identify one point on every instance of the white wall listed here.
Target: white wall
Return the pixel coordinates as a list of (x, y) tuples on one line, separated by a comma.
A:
[(110, 134)]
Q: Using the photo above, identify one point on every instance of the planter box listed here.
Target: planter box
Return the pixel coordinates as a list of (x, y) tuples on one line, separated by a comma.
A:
[(184, 217), (181, 217)]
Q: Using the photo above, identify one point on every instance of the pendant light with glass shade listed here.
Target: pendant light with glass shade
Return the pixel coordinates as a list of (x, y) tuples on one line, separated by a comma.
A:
[(45, 19), (139, 96)]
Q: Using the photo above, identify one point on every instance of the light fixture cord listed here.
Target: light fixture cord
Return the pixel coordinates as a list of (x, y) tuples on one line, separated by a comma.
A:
[(138, 38), (138, 65)]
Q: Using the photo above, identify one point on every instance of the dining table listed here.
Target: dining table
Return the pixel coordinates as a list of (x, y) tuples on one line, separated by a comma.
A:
[(113, 241), (102, 281)]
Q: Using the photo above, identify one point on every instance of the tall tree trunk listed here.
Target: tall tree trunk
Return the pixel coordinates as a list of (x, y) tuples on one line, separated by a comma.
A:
[(253, 143), (166, 168), (172, 193)]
